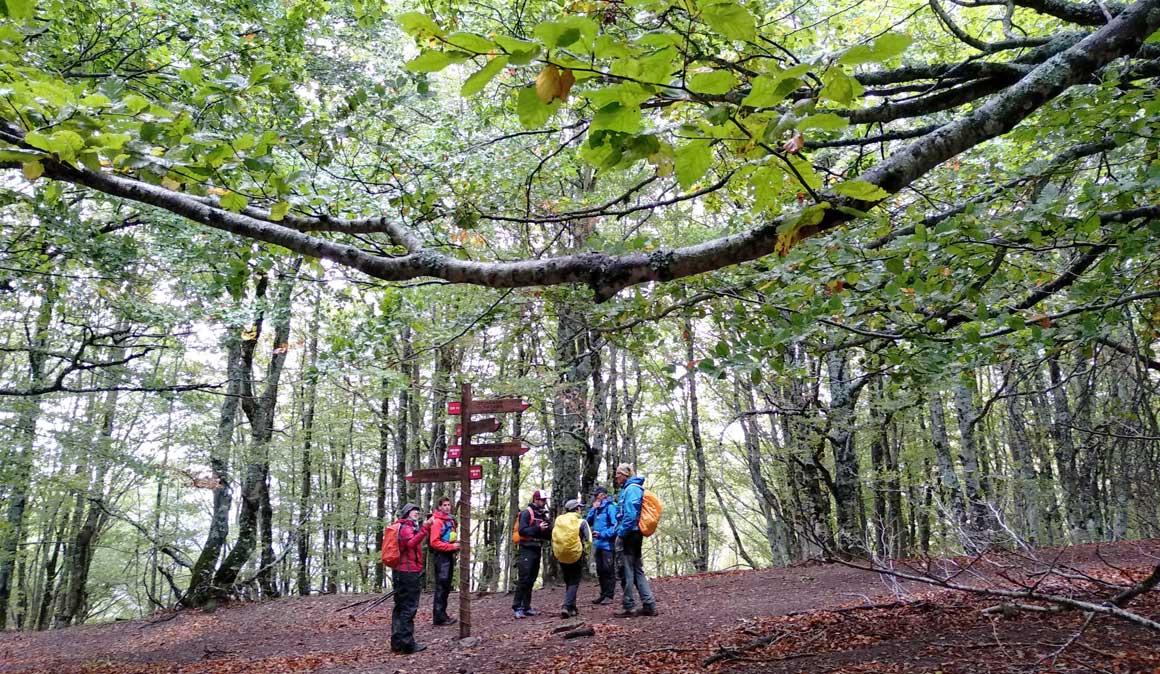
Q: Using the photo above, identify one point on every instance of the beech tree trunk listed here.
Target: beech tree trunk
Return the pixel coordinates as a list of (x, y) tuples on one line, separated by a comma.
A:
[(701, 516)]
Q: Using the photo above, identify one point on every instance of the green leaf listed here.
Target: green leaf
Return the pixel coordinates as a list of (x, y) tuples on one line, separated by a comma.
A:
[(861, 190), (278, 210), (431, 61), (135, 103), (826, 121), (730, 20), (608, 47), (64, 143), (232, 201), (32, 170), (532, 111), (1154, 38), (769, 91), (417, 24), (470, 42), (715, 83), (479, 80), (692, 162), (617, 117), (840, 87), (575, 32), (18, 155), (21, 9), (96, 101), (112, 141), (895, 265), (521, 51)]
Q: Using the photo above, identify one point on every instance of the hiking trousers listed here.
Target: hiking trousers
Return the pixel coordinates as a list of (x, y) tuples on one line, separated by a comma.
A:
[(634, 572), (444, 563), (571, 573), (606, 572), (528, 569), (408, 585)]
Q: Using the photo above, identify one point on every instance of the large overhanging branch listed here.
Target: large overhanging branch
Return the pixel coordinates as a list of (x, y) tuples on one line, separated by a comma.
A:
[(608, 274)]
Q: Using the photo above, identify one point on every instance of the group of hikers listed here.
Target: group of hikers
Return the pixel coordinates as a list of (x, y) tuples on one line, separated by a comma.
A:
[(613, 529)]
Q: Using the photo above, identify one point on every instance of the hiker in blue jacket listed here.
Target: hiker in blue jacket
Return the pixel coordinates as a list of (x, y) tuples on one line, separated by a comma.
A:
[(628, 529), (602, 520)]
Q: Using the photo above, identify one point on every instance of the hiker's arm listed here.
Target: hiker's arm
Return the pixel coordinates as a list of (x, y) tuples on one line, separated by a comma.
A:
[(528, 529), (437, 542), (631, 511), (413, 541)]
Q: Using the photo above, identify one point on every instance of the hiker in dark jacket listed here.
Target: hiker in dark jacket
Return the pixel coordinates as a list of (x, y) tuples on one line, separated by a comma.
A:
[(628, 528), (534, 530), (444, 544), (407, 579), (602, 520)]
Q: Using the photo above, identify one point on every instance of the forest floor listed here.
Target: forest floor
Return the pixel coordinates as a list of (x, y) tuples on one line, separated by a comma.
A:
[(813, 618)]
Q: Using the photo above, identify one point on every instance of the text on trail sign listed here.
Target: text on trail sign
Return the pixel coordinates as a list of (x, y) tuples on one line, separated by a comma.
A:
[(497, 406)]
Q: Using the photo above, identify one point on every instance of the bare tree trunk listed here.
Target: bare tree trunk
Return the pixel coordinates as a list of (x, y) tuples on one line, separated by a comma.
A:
[(28, 413), (951, 490), (847, 500), (775, 535), (1026, 484), (307, 477), (964, 392), (381, 515), (701, 518), (1075, 507)]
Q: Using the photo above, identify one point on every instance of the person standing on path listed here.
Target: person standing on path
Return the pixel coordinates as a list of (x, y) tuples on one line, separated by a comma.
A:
[(407, 579), (570, 535), (602, 519), (444, 544), (534, 529), (628, 529)]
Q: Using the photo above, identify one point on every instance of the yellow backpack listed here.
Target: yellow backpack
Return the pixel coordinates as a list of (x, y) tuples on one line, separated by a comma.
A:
[(566, 544), (651, 506)]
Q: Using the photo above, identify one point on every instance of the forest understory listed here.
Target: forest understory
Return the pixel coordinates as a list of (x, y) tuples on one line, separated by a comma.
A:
[(806, 618)]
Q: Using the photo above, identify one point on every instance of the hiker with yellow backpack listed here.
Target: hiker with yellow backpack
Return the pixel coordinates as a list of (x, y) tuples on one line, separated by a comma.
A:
[(570, 537), (640, 510)]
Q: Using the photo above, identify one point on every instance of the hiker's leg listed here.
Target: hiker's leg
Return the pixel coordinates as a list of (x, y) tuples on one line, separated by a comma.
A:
[(533, 573), (630, 555), (444, 568), (606, 572), (571, 573), (407, 589), (618, 564)]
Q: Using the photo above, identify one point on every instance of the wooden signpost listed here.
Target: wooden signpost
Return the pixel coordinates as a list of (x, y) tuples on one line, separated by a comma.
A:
[(465, 473)]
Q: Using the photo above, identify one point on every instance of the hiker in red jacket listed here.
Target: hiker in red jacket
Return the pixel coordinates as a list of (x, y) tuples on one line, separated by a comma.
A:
[(444, 544), (407, 579)]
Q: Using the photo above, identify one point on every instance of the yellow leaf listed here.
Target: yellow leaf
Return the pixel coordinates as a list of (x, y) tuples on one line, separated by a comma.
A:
[(217, 191), (33, 170), (249, 334), (547, 83), (170, 184), (567, 79)]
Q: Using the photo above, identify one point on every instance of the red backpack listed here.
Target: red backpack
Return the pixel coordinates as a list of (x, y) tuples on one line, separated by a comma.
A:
[(392, 554)]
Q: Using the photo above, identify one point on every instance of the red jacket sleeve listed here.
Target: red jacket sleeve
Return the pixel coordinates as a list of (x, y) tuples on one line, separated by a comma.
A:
[(411, 541), (435, 539)]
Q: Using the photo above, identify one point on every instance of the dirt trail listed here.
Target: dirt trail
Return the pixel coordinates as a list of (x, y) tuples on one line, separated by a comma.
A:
[(698, 614)]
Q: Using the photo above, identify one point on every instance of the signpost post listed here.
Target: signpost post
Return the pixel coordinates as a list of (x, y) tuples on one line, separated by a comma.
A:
[(466, 472)]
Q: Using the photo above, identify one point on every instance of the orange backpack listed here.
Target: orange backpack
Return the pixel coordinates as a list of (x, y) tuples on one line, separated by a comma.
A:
[(392, 555), (516, 526), (651, 506)]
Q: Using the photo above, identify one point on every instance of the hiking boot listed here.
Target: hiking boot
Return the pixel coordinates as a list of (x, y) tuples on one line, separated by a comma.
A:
[(648, 609), (529, 612), (565, 613), (573, 612), (446, 621), (418, 648), (602, 600), (625, 613), (520, 614)]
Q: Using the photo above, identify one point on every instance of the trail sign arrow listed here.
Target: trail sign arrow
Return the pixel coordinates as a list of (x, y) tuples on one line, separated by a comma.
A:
[(497, 406), (496, 449), (489, 425), (424, 475)]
